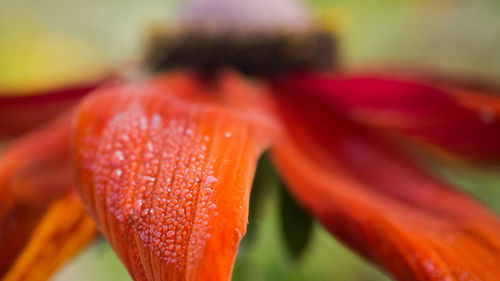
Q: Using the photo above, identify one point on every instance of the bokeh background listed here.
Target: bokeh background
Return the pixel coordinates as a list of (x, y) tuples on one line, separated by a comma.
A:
[(44, 43)]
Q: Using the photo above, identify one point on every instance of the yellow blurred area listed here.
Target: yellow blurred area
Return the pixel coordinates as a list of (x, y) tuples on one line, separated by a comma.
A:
[(336, 19), (34, 57), (50, 43)]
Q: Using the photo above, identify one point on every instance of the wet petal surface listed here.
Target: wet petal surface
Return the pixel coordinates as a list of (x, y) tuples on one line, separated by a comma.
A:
[(165, 167)]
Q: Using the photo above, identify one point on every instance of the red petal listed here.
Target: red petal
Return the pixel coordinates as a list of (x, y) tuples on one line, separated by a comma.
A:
[(377, 201), (19, 114), (165, 168), (435, 115)]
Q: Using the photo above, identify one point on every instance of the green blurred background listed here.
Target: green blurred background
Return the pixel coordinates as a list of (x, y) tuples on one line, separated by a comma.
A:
[(44, 43)]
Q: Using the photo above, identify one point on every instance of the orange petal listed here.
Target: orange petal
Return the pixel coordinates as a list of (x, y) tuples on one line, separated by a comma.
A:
[(165, 167), (19, 114), (34, 171), (63, 230), (377, 201)]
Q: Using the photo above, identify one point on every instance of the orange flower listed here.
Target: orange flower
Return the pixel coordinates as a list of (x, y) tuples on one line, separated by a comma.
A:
[(163, 166)]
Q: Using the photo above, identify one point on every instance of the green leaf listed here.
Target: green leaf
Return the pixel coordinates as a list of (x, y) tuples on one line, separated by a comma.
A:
[(265, 180), (296, 225)]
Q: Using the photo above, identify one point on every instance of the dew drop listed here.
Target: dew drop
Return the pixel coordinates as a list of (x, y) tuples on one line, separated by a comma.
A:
[(209, 180), (123, 138), (117, 158), (149, 146), (116, 174), (138, 205)]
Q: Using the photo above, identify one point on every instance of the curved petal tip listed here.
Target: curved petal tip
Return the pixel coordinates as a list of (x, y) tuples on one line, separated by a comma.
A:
[(165, 170)]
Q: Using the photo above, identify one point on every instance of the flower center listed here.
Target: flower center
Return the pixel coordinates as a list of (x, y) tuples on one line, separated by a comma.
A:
[(257, 37)]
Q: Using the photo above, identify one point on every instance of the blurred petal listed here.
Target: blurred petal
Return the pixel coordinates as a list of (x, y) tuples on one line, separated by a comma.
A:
[(477, 93), (165, 167), (377, 201), (34, 171), (63, 230), (435, 115), (21, 113)]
